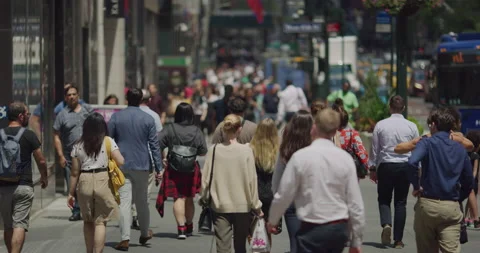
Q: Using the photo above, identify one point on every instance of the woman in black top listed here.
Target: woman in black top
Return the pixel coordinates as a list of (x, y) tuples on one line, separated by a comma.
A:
[(265, 145), (180, 185)]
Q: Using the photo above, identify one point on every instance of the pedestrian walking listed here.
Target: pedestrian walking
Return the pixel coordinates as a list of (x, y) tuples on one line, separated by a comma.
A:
[(347, 97), (134, 131), (67, 130), (233, 167), (322, 180), (471, 207), (446, 180), (349, 140), (292, 99), (406, 147), (16, 190), (296, 135), (236, 105), (181, 182), (265, 146), (390, 170), (90, 180)]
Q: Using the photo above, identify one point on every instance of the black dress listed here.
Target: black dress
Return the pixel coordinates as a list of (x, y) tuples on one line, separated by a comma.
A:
[(265, 193)]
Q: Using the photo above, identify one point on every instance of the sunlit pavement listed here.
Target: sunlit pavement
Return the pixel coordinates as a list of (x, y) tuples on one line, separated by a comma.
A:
[(51, 231)]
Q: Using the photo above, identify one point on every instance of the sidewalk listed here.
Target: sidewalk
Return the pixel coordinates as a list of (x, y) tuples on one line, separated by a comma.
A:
[(51, 231)]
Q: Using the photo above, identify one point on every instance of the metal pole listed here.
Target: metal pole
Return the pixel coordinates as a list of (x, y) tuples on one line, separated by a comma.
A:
[(343, 44), (101, 80), (392, 52), (402, 33), (327, 48)]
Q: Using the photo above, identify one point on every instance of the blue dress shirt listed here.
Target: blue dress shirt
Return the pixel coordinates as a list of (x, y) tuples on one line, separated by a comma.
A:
[(446, 168), (134, 132)]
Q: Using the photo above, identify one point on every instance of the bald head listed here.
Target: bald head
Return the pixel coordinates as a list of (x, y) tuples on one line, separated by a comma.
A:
[(327, 122)]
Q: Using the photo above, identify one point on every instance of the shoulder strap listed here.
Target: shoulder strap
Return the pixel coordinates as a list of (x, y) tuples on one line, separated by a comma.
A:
[(108, 146), (19, 134), (211, 176), (3, 136), (175, 134)]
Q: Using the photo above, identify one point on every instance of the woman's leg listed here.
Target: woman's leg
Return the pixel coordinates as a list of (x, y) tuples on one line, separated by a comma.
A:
[(99, 238), (179, 211), (241, 230), (472, 202), (189, 213), (88, 234), (293, 225)]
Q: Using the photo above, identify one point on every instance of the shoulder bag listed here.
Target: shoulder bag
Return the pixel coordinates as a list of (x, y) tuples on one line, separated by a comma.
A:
[(181, 158), (117, 179), (206, 217)]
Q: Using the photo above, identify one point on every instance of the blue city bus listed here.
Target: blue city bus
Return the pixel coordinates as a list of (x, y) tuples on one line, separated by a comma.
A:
[(458, 76)]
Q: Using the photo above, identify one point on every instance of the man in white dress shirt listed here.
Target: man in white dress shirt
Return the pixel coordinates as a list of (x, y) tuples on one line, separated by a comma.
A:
[(292, 99), (390, 170), (322, 181)]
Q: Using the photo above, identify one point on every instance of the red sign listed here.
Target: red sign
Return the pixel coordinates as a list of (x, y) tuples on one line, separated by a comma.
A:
[(333, 27)]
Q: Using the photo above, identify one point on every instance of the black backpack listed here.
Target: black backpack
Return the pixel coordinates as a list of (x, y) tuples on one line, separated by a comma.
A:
[(181, 158)]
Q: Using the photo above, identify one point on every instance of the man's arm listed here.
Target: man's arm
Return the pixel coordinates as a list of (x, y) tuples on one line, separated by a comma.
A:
[(36, 124), (42, 166), (155, 147), (418, 154), (281, 110), (287, 191), (406, 147), (466, 179), (332, 96), (458, 137), (356, 209), (372, 161)]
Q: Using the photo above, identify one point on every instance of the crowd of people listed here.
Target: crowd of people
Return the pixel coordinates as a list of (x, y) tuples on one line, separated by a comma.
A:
[(304, 174)]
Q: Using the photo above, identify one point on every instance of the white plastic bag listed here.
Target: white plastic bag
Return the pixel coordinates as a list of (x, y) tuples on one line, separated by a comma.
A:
[(259, 241)]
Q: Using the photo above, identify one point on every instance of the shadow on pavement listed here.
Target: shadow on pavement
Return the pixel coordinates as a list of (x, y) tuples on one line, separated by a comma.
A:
[(375, 244)]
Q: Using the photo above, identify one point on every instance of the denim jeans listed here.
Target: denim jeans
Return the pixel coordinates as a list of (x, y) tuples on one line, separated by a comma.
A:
[(293, 225), (393, 182), (76, 207), (322, 238)]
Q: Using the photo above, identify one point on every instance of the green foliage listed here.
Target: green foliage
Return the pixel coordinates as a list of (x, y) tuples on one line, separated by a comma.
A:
[(371, 107), (415, 121), (394, 7)]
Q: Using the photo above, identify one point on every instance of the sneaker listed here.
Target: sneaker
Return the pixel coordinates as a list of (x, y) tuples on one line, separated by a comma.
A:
[(387, 235), (135, 223), (75, 217), (182, 233), (399, 245), (189, 231), (476, 224)]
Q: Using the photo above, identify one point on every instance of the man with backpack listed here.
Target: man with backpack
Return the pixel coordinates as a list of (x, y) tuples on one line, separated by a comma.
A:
[(17, 144)]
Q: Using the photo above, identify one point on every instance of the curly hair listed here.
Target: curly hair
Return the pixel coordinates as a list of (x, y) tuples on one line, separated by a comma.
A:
[(296, 134)]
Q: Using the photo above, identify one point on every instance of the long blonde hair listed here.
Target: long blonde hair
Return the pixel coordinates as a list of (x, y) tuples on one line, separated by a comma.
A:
[(265, 145)]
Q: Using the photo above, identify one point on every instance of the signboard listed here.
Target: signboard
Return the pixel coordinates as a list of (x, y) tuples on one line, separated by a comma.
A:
[(384, 22), (333, 27), (470, 119), (114, 8), (459, 58), (107, 110), (302, 27)]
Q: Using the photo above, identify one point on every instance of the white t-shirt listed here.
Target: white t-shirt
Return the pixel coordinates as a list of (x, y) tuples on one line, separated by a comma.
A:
[(90, 163)]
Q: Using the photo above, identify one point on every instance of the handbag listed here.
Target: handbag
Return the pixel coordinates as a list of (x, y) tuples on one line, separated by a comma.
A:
[(260, 241), (117, 179), (206, 217), (181, 158), (361, 171)]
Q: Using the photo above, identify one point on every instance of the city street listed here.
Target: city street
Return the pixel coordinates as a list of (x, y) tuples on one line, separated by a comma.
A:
[(50, 231)]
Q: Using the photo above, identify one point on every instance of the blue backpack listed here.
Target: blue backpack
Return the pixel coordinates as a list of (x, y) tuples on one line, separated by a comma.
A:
[(10, 162)]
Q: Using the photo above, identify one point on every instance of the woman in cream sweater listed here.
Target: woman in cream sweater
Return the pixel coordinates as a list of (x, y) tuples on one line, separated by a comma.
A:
[(234, 191)]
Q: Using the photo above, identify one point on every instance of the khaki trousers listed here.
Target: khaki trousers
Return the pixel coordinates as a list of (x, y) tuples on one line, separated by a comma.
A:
[(226, 224), (437, 226)]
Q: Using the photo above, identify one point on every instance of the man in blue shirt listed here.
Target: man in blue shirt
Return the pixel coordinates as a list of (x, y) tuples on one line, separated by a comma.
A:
[(446, 179), (134, 131)]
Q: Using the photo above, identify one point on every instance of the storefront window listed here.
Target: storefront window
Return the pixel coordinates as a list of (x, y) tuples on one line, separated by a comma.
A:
[(31, 33)]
